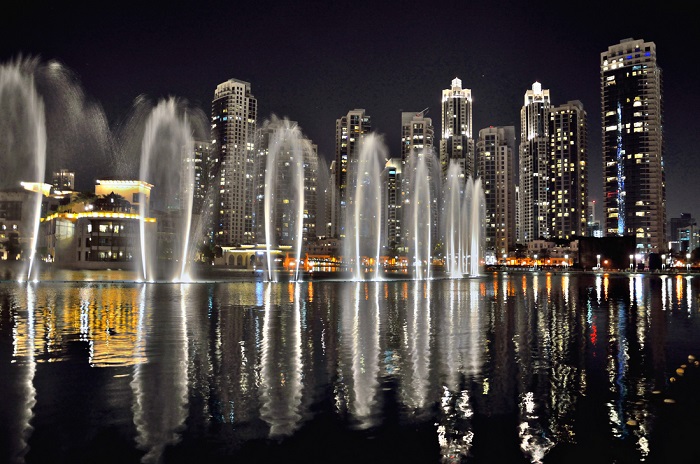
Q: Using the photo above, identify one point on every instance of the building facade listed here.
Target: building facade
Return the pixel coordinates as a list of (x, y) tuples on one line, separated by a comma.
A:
[(534, 151), (349, 131), (632, 121), (496, 167), (457, 142), (568, 171), (233, 124)]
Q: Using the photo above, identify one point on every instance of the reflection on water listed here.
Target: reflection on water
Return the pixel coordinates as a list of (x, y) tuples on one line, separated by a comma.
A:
[(518, 368)]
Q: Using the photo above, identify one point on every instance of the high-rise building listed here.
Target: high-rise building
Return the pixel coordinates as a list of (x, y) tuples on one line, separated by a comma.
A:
[(496, 168), (568, 171), (233, 123), (457, 141), (534, 150), (632, 121), (391, 230), (349, 130), (417, 134), (202, 158)]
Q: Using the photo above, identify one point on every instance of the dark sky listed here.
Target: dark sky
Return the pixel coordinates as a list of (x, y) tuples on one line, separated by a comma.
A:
[(314, 61)]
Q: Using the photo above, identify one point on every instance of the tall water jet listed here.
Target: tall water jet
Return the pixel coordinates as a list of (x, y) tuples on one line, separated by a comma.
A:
[(452, 209), (463, 219), (22, 144), (474, 212), (166, 150), (364, 209), (420, 187), (284, 198)]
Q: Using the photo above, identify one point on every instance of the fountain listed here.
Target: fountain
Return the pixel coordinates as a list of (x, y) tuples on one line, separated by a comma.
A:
[(284, 199), (364, 208), (166, 149), (421, 186), (23, 146), (464, 214)]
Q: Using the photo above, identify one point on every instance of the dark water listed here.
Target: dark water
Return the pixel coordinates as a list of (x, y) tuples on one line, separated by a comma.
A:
[(516, 368)]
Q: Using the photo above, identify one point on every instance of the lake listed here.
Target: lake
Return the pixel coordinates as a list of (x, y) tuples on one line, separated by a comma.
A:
[(501, 368)]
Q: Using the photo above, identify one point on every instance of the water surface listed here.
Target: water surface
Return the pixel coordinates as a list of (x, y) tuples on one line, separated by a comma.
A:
[(504, 368)]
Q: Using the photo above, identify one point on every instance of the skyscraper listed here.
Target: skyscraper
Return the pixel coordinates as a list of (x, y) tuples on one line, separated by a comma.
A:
[(391, 230), (417, 134), (496, 168), (457, 141), (534, 150), (233, 123), (568, 171), (633, 168), (349, 130)]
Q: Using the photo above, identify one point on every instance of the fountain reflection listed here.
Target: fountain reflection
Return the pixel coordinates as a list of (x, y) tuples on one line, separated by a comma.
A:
[(160, 384), (20, 388), (281, 365)]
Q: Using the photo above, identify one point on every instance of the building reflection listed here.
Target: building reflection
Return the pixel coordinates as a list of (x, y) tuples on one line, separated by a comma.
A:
[(247, 360)]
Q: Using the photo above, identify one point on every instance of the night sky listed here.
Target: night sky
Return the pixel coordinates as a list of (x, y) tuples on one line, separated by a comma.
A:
[(314, 61)]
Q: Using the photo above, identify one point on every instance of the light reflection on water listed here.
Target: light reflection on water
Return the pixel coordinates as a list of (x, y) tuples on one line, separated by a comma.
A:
[(562, 358)]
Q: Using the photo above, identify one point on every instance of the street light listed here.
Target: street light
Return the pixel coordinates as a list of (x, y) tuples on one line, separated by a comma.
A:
[(663, 262), (631, 262), (566, 261), (687, 261), (535, 261), (598, 258)]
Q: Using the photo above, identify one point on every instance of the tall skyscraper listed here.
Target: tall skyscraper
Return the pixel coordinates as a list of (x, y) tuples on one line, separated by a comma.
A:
[(202, 157), (496, 168), (417, 134), (349, 130), (568, 171), (233, 123), (391, 230), (534, 150), (457, 141), (632, 121)]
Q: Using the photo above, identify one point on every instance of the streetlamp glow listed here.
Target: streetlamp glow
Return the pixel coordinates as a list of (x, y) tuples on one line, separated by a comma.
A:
[(598, 261), (566, 261), (535, 261), (663, 261), (631, 262), (687, 261)]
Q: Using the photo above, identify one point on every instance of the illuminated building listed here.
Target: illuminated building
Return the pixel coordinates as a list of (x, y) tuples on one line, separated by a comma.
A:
[(101, 232), (534, 150), (16, 206), (496, 168), (632, 121), (568, 173), (63, 180), (349, 130), (233, 123), (391, 230), (457, 141)]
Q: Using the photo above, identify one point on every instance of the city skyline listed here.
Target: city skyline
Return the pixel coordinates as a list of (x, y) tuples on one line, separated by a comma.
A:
[(312, 64)]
